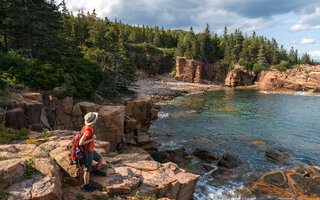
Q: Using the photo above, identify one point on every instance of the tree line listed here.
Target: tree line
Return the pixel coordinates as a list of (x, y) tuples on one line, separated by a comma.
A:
[(43, 45)]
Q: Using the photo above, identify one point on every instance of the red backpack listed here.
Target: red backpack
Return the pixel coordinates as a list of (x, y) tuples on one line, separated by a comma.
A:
[(76, 150)]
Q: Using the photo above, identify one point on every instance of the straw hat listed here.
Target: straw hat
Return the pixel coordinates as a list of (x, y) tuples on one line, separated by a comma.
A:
[(90, 118)]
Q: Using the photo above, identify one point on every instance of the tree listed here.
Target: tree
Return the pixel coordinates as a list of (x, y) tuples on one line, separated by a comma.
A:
[(206, 50), (261, 56), (305, 59)]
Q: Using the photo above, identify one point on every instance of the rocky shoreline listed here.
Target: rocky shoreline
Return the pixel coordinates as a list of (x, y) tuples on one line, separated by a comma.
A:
[(42, 168), (123, 128)]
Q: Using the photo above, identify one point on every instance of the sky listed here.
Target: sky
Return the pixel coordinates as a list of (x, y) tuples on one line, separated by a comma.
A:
[(293, 23)]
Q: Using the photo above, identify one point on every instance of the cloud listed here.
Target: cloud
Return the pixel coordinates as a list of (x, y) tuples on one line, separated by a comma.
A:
[(299, 27), (315, 54), (308, 21), (307, 41), (248, 15)]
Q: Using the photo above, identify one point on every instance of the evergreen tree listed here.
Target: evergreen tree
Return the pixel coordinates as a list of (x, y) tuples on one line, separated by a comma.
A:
[(261, 56), (306, 59)]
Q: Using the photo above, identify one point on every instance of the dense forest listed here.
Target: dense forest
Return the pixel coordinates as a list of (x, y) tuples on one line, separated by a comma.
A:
[(43, 45)]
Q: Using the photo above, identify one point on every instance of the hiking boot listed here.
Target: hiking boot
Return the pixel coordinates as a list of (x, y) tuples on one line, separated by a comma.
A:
[(89, 188), (99, 173)]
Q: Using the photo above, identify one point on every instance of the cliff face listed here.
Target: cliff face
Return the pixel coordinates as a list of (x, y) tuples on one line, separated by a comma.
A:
[(115, 123), (239, 77), (158, 64), (194, 71), (306, 79)]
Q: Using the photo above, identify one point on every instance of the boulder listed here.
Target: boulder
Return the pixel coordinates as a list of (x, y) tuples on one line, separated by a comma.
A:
[(110, 125), (11, 171), (44, 188), (49, 168), (139, 109), (276, 156), (205, 155), (294, 183), (13, 151), (15, 118), (130, 124), (229, 161), (86, 107), (115, 183), (143, 138)]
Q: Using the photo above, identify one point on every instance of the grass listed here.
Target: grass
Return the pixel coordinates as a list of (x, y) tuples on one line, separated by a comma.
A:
[(3, 194), (33, 140), (79, 196), (8, 135), (29, 171)]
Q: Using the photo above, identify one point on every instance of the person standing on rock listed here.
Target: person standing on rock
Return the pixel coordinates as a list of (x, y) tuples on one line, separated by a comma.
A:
[(87, 141)]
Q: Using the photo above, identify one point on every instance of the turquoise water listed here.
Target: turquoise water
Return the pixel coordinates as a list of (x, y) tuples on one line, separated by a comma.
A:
[(229, 120)]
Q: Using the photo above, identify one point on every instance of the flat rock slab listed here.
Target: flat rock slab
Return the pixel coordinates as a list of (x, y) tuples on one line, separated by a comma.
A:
[(116, 183), (46, 188), (295, 183), (144, 165), (11, 170)]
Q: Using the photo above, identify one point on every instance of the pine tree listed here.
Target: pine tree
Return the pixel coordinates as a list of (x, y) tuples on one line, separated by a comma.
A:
[(262, 56), (206, 50), (306, 59)]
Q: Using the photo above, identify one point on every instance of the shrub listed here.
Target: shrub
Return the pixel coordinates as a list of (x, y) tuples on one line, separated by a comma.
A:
[(80, 77), (283, 66), (257, 68), (247, 64), (8, 135), (29, 171)]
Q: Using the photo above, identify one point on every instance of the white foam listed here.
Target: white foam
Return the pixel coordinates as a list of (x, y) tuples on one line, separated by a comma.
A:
[(163, 115), (305, 94), (269, 92)]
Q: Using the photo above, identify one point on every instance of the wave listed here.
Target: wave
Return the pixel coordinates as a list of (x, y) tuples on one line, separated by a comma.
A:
[(306, 94), (269, 92), (163, 115)]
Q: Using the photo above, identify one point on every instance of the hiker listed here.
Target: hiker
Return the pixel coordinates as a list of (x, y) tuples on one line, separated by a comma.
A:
[(87, 142)]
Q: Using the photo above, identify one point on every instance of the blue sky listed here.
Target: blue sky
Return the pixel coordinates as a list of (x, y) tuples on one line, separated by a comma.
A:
[(291, 22)]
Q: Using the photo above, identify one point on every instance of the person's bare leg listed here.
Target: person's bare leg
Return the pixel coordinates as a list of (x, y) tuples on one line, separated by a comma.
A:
[(100, 163), (86, 177)]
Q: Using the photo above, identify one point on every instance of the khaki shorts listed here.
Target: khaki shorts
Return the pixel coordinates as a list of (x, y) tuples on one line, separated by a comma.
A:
[(88, 158)]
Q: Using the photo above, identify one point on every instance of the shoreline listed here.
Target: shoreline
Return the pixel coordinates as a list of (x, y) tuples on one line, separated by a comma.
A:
[(164, 88)]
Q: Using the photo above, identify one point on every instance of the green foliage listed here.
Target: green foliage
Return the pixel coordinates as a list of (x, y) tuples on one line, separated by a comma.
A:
[(8, 104), (81, 77), (257, 68), (3, 194), (80, 196), (306, 59), (3, 84), (283, 66), (29, 171), (33, 140), (33, 74), (8, 135), (247, 64)]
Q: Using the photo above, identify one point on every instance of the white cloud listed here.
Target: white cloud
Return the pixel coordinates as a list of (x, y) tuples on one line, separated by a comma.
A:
[(294, 42), (315, 54), (308, 21), (299, 27), (316, 27), (307, 41)]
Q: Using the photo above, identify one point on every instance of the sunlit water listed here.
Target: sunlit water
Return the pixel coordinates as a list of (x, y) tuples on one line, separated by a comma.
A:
[(229, 120)]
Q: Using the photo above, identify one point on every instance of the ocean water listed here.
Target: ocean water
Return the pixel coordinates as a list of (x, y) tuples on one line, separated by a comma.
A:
[(229, 121)]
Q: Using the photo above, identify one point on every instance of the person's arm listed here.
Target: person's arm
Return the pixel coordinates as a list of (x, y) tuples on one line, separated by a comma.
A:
[(83, 140)]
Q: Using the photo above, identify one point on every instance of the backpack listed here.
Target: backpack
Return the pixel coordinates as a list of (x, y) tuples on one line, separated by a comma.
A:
[(77, 151)]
